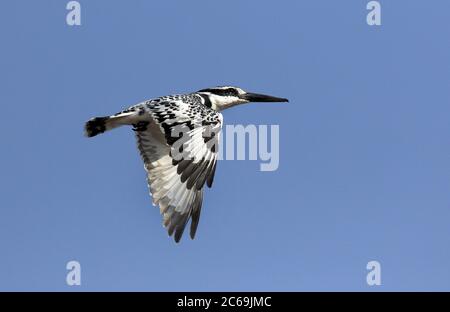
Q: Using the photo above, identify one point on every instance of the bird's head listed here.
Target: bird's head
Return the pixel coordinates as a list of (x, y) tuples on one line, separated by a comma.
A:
[(219, 98)]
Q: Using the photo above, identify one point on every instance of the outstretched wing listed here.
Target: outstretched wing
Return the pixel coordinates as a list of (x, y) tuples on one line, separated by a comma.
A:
[(179, 149)]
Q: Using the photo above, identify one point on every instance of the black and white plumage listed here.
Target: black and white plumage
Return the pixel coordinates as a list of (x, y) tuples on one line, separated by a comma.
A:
[(177, 137)]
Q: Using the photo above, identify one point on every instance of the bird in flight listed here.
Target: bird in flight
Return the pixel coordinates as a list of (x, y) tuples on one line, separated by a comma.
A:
[(177, 137)]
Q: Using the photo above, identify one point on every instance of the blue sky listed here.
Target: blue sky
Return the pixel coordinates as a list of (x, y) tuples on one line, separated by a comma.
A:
[(364, 145)]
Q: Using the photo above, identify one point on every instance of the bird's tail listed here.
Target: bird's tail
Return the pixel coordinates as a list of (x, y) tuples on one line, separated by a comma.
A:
[(97, 125)]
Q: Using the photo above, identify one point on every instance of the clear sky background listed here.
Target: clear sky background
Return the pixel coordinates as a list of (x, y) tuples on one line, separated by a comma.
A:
[(364, 145)]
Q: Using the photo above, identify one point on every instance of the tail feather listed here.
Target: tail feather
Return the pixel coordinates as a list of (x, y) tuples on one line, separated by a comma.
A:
[(95, 126), (99, 125)]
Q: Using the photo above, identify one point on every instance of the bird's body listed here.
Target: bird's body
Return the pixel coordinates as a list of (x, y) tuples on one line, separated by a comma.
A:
[(177, 137)]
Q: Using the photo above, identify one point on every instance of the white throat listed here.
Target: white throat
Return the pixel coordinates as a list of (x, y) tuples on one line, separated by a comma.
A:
[(219, 102)]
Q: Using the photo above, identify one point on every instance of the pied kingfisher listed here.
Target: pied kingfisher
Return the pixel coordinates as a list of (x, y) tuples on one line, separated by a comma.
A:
[(169, 125)]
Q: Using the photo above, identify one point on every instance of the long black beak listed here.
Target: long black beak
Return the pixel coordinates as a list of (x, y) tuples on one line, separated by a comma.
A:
[(255, 97)]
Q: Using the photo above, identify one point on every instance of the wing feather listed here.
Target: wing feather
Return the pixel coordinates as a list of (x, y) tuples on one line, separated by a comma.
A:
[(176, 185)]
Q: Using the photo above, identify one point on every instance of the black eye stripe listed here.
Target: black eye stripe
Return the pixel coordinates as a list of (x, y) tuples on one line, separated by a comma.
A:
[(222, 92), (206, 99)]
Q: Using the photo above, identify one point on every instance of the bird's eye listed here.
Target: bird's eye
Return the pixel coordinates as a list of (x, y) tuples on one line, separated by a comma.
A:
[(232, 92)]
